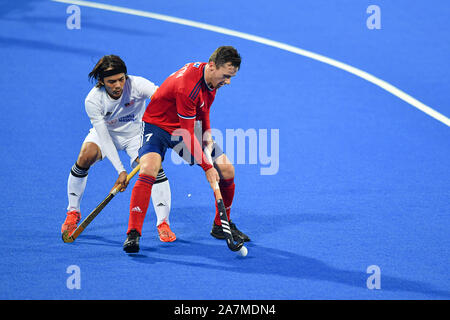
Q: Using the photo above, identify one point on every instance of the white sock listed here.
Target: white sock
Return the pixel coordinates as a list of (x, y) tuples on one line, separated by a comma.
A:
[(75, 187), (161, 198)]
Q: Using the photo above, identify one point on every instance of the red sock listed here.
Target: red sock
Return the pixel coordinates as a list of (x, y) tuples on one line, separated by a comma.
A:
[(140, 198), (227, 191)]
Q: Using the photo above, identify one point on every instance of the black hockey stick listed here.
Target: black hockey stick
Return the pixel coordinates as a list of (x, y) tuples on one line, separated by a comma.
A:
[(232, 245)]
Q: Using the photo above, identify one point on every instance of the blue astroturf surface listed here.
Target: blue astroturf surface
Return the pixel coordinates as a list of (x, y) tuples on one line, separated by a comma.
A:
[(362, 179)]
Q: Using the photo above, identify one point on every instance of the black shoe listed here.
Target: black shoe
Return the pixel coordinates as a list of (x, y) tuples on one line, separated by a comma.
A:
[(131, 245), (217, 232)]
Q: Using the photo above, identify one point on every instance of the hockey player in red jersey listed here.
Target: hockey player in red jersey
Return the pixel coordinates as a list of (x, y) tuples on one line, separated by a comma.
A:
[(183, 98)]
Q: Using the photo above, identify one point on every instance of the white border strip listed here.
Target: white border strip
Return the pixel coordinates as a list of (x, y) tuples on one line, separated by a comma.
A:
[(340, 65)]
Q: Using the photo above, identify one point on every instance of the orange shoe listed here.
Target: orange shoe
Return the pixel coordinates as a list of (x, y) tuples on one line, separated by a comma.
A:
[(70, 224), (165, 234)]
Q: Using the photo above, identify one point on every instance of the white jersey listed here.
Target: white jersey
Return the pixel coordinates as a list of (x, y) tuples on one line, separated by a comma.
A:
[(121, 117)]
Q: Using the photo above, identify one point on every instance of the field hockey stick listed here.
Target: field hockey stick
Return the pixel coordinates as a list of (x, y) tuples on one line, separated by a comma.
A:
[(233, 246), (71, 238)]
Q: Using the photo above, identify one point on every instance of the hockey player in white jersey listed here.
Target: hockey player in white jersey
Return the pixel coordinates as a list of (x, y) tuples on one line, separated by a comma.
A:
[(115, 107)]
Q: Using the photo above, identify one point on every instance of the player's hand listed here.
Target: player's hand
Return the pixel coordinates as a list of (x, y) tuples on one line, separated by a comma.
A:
[(212, 176), (121, 182)]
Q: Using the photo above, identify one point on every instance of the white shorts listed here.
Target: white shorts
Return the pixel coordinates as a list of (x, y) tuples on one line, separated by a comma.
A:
[(130, 145)]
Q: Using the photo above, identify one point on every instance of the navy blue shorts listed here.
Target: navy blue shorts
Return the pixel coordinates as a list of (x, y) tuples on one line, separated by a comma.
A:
[(155, 139)]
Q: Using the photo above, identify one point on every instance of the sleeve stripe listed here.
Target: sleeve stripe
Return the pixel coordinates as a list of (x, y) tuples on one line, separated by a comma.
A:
[(185, 117), (196, 90)]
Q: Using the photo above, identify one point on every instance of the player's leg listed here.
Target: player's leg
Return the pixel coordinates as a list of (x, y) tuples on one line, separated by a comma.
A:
[(161, 199), (227, 187), (151, 155), (226, 184), (140, 199), (161, 195), (76, 183)]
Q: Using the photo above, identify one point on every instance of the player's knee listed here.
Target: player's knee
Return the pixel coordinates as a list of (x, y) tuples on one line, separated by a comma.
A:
[(84, 162), (227, 171), (89, 154), (150, 165), (149, 170)]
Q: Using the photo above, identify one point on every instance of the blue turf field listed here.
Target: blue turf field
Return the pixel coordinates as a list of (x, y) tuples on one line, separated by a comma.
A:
[(364, 177)]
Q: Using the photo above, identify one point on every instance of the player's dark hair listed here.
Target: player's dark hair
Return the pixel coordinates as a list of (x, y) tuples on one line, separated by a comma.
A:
[(111, 63), (225, 54)]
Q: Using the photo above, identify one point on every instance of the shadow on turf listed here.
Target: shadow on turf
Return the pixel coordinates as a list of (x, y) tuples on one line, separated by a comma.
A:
[(86, 24), (260, 260), (47, 46), (273, 262), (18, 7)]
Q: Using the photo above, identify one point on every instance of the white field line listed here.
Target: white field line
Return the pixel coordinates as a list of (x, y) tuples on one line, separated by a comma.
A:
[(357, 72)]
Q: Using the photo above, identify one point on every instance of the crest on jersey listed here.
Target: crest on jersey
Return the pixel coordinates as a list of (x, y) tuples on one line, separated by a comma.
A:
[(129, 104)]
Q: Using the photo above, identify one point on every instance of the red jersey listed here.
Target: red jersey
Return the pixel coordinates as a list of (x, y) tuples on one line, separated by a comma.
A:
[(180, 100)]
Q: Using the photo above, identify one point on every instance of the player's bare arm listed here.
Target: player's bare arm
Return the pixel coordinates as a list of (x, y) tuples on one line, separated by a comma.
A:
[(121, 182)]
